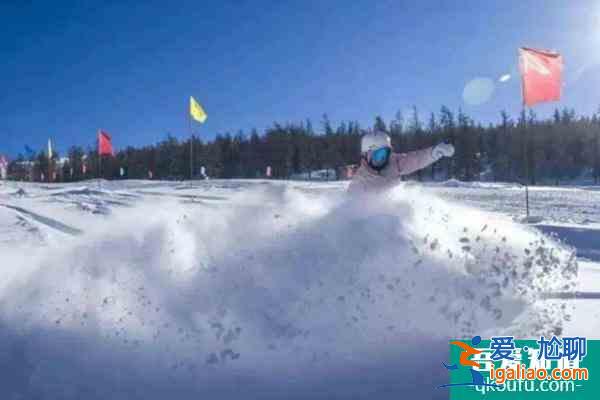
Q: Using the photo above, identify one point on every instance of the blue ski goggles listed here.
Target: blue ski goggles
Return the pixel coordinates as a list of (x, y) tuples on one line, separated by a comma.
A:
[(380, 157)]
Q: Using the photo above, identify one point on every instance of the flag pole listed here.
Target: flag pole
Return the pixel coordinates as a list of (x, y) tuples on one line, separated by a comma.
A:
[(545, 86), (49, 161), (98, 175), (191, 147), (526, 157)]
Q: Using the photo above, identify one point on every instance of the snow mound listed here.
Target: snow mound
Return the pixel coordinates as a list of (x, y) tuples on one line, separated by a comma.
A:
[(275, 293)]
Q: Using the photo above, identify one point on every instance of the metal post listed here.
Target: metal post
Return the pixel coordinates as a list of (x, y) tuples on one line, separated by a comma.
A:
[(191, 148), (596, 161), (526, 157), (49, 169), (49, 161), (99, 173), (527, 200)]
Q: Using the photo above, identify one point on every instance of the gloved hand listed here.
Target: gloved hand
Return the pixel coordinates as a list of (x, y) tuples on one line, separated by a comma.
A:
[(442, 150)]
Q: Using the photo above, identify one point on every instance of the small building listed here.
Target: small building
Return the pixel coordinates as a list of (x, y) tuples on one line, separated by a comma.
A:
[(328, 174)]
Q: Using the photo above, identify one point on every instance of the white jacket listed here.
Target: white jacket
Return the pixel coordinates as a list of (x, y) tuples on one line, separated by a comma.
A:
[(367, 180)]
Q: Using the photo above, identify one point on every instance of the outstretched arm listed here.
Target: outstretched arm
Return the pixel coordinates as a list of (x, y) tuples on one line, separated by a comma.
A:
[(407, 163)]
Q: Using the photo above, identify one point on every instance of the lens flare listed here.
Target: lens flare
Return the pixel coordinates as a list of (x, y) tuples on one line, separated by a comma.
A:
[(478, 91)]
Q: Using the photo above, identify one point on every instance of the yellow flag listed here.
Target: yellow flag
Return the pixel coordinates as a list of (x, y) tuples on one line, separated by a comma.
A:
[(196, 111)]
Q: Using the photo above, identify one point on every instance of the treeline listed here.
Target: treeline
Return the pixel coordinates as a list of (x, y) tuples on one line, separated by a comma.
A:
[(516, 148)]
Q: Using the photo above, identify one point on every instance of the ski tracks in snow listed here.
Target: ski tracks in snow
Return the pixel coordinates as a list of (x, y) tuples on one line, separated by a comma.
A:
[(46, 221)]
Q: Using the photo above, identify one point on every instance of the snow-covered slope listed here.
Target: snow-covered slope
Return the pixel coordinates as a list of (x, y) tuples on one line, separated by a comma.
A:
[(259, 289)]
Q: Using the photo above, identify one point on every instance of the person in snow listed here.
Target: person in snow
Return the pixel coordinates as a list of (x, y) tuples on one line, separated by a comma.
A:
[(380, 168)]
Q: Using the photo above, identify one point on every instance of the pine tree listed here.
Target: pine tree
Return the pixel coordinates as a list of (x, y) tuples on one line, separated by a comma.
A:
[(379, 124), (448, 133)]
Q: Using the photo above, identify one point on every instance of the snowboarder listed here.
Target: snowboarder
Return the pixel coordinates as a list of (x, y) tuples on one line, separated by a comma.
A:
[(380, 168)]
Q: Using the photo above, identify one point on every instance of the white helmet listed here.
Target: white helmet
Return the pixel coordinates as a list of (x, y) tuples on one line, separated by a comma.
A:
[(374, 140)]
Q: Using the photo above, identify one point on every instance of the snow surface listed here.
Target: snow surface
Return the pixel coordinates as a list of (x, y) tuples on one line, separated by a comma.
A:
[(272, 289)]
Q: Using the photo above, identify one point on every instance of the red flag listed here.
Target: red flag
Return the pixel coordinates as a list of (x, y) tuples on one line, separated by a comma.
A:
[(541, 71), (104, 144)]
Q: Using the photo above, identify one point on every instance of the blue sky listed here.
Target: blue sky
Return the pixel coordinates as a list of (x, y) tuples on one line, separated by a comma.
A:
[(69, 68)]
